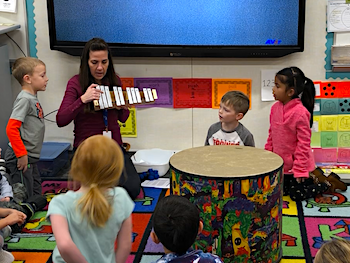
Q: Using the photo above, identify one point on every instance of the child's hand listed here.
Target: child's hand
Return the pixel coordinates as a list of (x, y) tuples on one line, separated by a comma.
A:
[(15, 217), (0, 152), (300, 180), (5, 199), (22, 163)]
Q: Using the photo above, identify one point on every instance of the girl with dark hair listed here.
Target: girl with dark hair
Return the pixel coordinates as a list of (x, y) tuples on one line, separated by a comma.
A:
[(291, 119), (96, 68)]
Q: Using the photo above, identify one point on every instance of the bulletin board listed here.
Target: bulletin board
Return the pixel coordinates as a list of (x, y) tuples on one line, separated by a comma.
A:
[(331, 128)]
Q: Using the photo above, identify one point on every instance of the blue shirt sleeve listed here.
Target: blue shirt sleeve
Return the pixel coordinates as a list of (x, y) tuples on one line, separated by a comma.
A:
[(56, 207)]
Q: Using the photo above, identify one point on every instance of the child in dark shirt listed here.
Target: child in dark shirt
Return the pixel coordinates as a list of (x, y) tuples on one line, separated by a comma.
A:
[(176, 225)]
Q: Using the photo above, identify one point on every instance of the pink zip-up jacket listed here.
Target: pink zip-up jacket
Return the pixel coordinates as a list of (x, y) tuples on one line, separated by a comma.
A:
[(290, 137)]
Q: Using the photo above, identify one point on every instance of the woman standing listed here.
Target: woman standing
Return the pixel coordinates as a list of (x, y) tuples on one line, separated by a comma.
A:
[(96, 68)]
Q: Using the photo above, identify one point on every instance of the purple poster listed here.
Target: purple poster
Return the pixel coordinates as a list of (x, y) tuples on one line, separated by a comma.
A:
[(164, 87)]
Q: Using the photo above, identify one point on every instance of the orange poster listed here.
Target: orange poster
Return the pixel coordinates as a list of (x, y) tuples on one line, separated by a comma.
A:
[(127, 82), (221, 86)]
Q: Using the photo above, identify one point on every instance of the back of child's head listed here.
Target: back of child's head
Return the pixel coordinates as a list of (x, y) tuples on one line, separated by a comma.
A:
[(24, 66), (237, 100), (97, 164), (303, 87), (335, 251), (176, 222)]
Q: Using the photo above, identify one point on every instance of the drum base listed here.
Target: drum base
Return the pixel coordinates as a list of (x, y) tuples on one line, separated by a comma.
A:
[(242, 218)]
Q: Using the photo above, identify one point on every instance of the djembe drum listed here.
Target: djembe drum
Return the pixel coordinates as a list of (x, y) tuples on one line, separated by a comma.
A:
[(238, 191)]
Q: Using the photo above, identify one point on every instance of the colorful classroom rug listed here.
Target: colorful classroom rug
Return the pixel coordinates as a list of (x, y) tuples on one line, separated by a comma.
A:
[(306, 226)]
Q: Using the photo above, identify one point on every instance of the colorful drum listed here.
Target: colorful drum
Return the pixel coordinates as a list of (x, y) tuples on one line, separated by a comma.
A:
[(238, 191)]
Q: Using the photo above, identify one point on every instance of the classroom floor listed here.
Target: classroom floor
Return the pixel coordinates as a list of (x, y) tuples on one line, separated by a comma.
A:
[(305, 226)]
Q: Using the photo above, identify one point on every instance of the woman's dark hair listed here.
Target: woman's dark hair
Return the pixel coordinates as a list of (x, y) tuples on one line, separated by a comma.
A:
[(85, 77), (303, 87)]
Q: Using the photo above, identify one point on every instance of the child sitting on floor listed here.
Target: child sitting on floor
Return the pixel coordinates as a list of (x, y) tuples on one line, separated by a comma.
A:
[(8, 217), (86, 223), (15, 197), (176, 225)]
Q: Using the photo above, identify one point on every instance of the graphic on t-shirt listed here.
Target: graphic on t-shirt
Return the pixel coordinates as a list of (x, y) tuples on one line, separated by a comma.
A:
[(224, 138), (39, 110), (217, 141)]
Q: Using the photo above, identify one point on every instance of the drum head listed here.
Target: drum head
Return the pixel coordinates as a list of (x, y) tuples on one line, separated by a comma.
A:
[(226, 161)]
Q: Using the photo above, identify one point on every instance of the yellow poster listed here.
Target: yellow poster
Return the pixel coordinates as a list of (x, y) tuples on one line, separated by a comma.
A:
[(329, 123), (221, 86), (128, 129), (343, 122)]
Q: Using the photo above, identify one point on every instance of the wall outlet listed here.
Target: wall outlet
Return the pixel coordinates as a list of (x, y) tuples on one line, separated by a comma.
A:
[(8, 6)]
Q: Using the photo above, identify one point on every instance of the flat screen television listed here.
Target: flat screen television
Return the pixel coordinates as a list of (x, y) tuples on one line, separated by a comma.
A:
[(180, 28)]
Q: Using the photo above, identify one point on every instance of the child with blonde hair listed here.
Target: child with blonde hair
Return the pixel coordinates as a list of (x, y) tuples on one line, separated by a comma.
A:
[(25, 128), (335, 251), (86, 223)]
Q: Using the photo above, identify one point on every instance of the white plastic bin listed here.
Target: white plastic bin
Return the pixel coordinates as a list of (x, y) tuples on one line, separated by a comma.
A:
[(156, 159)]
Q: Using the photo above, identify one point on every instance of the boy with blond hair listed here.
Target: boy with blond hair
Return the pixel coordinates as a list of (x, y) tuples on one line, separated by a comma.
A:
[(25, 128), (229, 131)]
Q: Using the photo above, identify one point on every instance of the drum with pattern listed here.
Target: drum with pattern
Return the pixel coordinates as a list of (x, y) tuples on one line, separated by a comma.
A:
[(238, 191)]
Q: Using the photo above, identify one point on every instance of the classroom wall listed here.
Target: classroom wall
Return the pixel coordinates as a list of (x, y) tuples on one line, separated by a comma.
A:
[(178, 129), (18, 35)]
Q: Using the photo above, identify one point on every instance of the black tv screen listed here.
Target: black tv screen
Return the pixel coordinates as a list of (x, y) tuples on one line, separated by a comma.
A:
[(180, 28)]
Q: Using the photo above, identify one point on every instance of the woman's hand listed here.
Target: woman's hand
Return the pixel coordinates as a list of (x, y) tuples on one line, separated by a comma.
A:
[(91, 94)]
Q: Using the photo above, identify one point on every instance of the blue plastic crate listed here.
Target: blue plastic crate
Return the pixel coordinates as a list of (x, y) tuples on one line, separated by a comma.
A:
[(53, 156)]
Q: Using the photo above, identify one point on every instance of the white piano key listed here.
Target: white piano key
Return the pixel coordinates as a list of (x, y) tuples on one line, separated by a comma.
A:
[(155, 95), (132, 91), (117, 100), (138, 96), (108, 96), (150, 95), (145, 93), (121, 96), (129, 95), (104, 99), (100, 101)]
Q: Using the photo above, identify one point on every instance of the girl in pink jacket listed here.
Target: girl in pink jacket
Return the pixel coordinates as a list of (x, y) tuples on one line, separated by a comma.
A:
[(290, 135)]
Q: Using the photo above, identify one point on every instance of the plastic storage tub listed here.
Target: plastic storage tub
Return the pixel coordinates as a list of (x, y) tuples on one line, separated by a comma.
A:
[(53, 156), (156, 159)]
